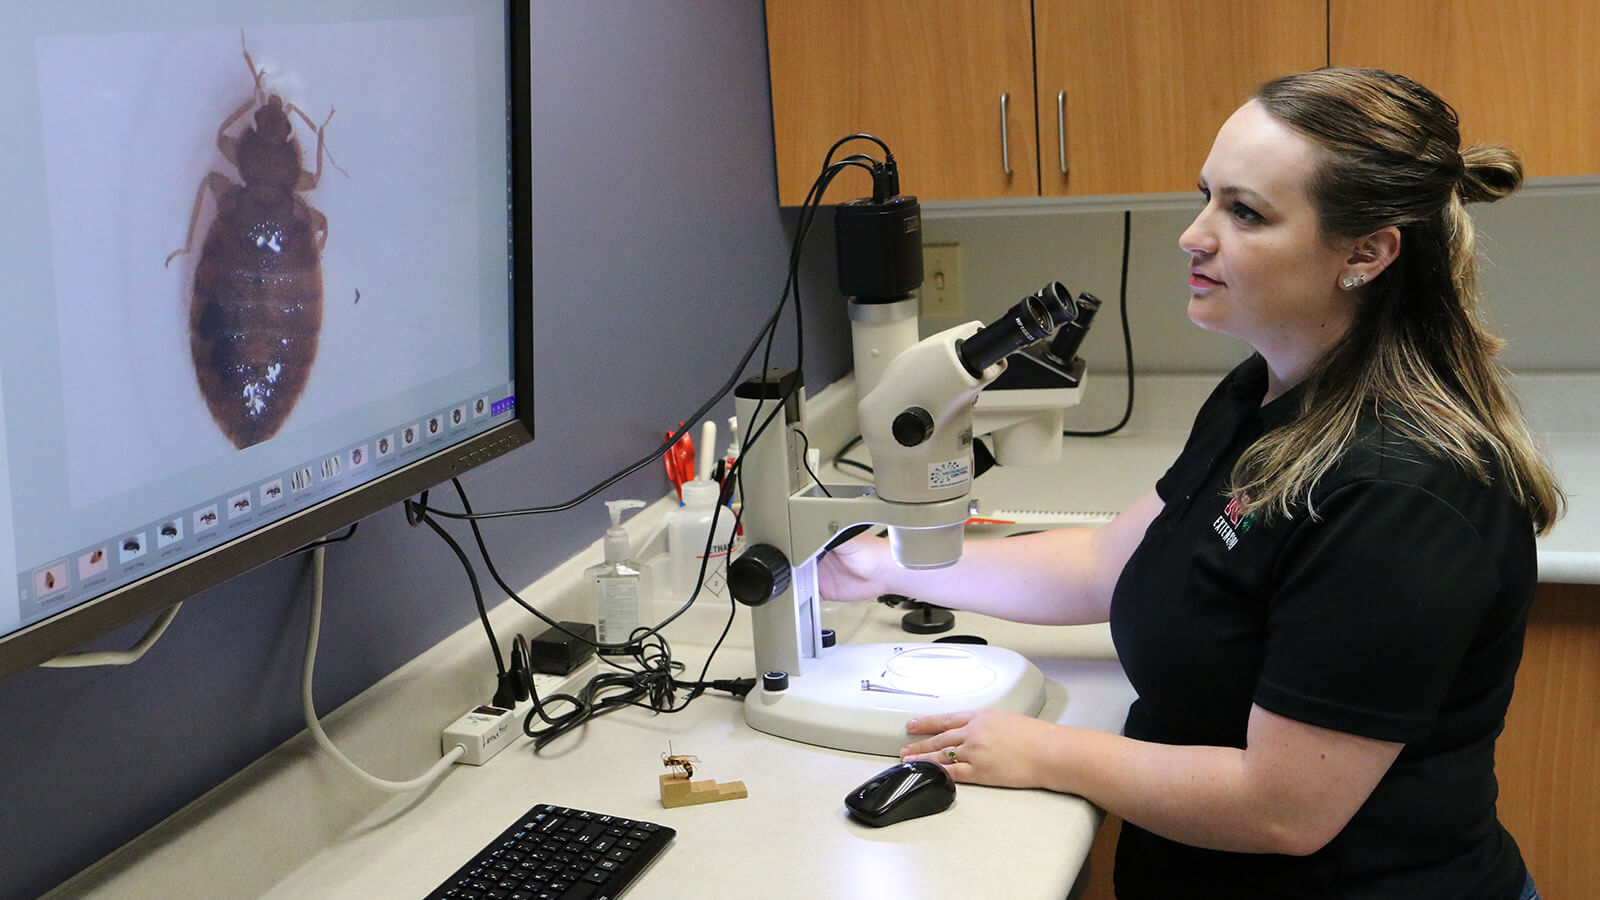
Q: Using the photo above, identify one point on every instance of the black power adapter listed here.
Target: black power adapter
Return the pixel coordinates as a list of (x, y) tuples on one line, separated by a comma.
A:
[(557, 652)]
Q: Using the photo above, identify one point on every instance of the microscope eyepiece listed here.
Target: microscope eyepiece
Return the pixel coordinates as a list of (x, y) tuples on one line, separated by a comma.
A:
[(1063, 348), (1058, 302), (1028, 321)]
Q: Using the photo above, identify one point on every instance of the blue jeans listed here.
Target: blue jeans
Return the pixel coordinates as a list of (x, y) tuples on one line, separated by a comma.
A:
[(1529, 892)]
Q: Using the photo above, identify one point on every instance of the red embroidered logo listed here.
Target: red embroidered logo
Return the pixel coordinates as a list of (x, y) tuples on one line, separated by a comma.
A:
[(1234, 521), (1236, 516)]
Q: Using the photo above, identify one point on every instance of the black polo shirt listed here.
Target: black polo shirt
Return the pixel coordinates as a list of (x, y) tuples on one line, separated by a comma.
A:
[(1396, 612)]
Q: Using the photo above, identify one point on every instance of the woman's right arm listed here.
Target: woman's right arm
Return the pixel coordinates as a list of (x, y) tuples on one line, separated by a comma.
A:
[(1059, 577)]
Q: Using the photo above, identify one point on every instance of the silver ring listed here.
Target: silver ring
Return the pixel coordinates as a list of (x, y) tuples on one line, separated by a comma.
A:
[(951, 752)]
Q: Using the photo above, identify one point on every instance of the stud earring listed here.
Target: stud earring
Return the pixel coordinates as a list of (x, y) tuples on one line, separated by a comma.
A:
[(1351, 282)]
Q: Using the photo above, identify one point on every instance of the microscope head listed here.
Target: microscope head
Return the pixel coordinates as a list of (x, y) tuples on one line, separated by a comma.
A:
[(917, 424)]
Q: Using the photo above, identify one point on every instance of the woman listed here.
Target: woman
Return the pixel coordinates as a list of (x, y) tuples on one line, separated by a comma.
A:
[(1322, 603)]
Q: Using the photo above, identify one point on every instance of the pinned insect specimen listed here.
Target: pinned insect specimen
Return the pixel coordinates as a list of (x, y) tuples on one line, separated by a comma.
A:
[(678, 790), (256, 312), (681, 762)]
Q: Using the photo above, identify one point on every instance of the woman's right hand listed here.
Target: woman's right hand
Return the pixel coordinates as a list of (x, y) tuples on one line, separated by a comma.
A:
[(852, 571)]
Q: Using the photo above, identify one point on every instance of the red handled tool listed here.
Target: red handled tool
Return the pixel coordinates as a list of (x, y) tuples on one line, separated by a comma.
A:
[(680, 461)]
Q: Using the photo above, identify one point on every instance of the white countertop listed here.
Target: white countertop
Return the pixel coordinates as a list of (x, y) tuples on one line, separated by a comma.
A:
[(1106, 474), (790, 836), (294, 825)]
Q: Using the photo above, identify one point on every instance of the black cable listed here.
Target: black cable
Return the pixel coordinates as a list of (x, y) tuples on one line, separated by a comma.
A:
[(839, 462), (754, 431), (635, 466), (764, 337), (805, 460), (752, 434), (421, 517), (1127, 335), (861, 136), (571, 718), (323, 542), (652, 685), (648, 648)]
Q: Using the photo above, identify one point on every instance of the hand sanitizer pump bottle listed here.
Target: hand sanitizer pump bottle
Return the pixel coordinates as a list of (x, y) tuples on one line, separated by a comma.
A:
[(614, 584)]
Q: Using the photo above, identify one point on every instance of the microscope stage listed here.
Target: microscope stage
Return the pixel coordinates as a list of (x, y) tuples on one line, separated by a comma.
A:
[(858, 697)]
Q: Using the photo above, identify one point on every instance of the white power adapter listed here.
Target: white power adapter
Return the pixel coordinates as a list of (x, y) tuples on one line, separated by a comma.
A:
[(482, 732)]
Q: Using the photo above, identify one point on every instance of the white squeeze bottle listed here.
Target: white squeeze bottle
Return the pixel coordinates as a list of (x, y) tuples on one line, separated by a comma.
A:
[(688, 526), (614, 584)]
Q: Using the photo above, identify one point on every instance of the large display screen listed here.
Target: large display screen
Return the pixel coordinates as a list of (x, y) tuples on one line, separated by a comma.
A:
[(264, 269)]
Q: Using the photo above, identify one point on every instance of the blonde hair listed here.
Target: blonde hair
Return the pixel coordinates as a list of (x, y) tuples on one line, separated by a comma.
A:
[(1418, 354)]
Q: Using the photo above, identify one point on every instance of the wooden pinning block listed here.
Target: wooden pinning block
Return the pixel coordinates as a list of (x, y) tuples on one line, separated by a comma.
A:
[(678, 790)]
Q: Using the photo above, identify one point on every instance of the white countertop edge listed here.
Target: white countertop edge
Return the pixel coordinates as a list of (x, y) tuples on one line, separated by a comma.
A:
[(1569, 567)]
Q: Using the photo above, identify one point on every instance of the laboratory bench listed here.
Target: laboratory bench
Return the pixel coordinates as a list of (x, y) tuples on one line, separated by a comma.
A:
[(294, 825)]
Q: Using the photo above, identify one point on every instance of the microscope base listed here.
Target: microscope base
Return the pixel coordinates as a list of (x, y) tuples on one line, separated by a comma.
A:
[(828, 706)]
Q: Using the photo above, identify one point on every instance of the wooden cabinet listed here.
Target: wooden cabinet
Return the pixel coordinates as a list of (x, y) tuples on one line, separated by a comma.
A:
[(1144, 84), (1525, 73), (1126, 95), (926, 76), (1548, 758), (1129, 94)]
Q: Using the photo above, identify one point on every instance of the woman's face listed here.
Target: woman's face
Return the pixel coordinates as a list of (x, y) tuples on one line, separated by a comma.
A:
[(1259, 269)]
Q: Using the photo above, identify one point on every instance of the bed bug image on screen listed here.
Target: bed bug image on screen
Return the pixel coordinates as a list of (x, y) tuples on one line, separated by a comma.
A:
[(256, 308)]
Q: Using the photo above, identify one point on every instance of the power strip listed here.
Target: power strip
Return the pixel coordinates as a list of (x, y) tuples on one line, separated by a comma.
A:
[(569, 683), (486, 730)]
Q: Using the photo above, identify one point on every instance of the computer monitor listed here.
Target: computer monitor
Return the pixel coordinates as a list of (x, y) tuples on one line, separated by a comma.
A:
[(211, 353)]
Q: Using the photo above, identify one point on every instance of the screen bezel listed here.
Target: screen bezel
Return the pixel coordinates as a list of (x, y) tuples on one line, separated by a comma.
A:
[(33, 644)]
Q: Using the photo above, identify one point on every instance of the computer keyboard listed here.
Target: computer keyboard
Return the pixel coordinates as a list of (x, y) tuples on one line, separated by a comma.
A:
[(556, 852)]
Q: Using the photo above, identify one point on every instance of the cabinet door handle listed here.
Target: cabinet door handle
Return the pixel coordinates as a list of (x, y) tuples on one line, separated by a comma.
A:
[(1061, 128), (1005, 137)]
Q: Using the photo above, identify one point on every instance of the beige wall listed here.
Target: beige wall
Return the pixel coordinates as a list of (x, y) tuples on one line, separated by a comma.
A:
[(1541, 274)]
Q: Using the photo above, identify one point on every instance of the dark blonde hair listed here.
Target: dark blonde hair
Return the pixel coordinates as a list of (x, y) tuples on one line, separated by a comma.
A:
[(1418, 353)]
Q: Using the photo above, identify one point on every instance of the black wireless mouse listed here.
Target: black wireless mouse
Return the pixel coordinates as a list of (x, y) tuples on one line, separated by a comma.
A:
[(900, 792)]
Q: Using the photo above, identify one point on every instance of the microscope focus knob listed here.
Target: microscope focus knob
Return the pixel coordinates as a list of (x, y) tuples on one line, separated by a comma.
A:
[(758, 575), (912, 427)]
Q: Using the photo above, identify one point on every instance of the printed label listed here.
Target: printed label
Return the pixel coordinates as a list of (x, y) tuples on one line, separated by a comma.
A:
[(949, 473), (618, 607)]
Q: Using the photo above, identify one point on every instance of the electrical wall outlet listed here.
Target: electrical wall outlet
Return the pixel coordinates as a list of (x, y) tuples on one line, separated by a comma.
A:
[(941, 281)]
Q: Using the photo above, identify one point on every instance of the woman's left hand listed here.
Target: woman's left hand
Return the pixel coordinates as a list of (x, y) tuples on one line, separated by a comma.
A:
[(985, 746)]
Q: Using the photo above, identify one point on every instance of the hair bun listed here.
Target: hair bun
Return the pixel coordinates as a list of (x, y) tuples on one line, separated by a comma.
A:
[(1489, 173)]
